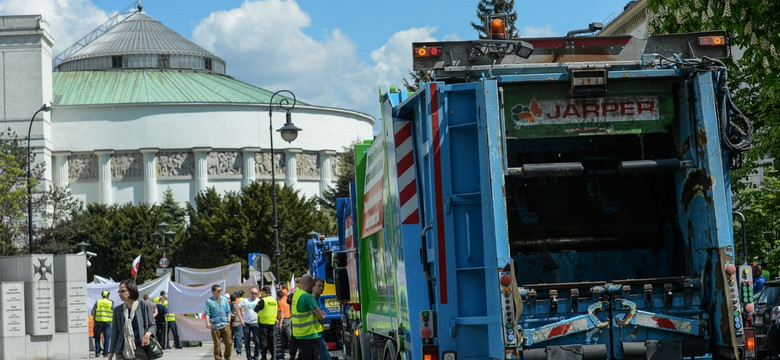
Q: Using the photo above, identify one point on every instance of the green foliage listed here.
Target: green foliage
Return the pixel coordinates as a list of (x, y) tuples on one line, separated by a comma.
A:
[(751, 26), (418, 77), (13, 192), (224, 229), (57, 206), (486, 8), (761, 207)]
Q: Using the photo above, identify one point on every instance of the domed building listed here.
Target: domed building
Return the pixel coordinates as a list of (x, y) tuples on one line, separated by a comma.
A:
[(141, 109)]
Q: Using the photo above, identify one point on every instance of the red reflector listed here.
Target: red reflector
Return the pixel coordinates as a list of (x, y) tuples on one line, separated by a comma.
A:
[(426, 51), (712, 40), (430, 352), (750, 339), (506, 280), (331, 345)]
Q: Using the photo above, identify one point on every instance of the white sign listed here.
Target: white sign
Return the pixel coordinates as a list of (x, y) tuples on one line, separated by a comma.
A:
[(164, 262), (163, 271)]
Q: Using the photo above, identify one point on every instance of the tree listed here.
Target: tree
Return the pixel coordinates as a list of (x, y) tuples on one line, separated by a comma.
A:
[(13, 192), (752, 27), (57, 206), (761, 207), (486, 8), (418, 77), (225, 229)]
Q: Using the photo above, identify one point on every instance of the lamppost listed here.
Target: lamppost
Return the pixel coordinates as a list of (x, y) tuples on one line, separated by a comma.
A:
[(163, 235), (45, 107), (289, 133)]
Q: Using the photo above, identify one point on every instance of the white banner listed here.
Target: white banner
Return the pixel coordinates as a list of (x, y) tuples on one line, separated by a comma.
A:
[(183, 299), (230, 274), (102, 280), (153, 287), (94, 291), (192, 328)]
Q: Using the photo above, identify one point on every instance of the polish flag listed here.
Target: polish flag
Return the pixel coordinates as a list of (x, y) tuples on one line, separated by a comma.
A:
[(134, 266), (292, 283)]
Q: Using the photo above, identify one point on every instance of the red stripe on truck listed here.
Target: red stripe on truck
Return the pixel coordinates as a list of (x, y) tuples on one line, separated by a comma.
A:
[(439, 198)]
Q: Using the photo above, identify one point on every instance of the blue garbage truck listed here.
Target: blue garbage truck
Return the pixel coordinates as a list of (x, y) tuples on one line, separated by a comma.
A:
[(551, 198)]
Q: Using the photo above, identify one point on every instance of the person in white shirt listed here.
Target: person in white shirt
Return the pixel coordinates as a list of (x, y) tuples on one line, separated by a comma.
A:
[(251, 327)]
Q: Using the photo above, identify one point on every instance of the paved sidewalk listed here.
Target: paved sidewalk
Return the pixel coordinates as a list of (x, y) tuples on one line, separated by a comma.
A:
[(187, 353)]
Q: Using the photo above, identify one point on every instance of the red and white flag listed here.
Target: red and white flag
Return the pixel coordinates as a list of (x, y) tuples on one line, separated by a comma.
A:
[(134, 266)]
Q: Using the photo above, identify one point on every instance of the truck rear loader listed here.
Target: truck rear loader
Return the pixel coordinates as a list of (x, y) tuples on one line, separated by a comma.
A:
[(551, 198)]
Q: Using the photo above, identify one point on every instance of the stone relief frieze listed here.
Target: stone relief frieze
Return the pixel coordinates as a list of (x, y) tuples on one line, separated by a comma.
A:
[(308, 165), (263, 164), (175, 163), (82, 167), (224, 163), (127, 165), (335, 166)]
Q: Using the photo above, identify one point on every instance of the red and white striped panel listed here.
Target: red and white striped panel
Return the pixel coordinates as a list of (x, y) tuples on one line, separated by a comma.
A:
[(407, 183)]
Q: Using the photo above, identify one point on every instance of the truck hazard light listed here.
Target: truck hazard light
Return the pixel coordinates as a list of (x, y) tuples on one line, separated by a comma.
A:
[(712, 40), (427, 51), (430, 352)]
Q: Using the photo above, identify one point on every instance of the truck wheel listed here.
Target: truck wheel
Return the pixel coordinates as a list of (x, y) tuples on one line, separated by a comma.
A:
[(389, 353)]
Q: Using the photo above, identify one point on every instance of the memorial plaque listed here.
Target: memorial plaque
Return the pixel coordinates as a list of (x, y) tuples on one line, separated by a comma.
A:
[(12, 309), (71, 308), (38, 275)]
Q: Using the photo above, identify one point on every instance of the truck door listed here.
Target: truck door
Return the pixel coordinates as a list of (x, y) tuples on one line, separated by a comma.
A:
[(469, 220)]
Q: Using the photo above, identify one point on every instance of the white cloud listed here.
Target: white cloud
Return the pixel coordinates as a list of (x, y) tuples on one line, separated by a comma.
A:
[(263, 43), (533, 31), (69, 20)]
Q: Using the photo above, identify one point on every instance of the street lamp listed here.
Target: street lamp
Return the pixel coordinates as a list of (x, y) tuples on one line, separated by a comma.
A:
[(289, 132), (163, 235), (45, 107)]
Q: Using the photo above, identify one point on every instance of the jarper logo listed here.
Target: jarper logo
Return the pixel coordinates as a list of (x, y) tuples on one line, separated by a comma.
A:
[(42, 269), (570, 111)]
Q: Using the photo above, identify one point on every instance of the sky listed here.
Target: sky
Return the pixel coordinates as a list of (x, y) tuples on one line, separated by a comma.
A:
[(335, 53)]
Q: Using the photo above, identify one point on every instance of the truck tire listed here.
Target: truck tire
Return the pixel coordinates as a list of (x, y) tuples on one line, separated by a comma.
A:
[(390, 353)]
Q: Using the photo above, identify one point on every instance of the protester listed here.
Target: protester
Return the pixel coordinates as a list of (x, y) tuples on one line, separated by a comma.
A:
[(159, 321), (267, 310), (217, 320), (319, 286), (151, 304), (170, 324), (235, 325), (759, 281), (285, 326), (306, 316), (249, 321), (132, 325), (102, 313)]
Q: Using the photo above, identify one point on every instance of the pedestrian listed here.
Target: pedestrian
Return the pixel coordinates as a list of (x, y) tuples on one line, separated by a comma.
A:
[(759, 280), (132, 325), (170, 324), (102, 313), (159, 321), (235, 325), (151, 304), (316, 292), (306, 316), (285, 326), (267, 310), (217, 320), (249, 321)]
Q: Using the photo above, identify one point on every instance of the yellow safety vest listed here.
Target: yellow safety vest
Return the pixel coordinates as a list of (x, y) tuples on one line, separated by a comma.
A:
[(267, 316), (104, 312), (303, 324)]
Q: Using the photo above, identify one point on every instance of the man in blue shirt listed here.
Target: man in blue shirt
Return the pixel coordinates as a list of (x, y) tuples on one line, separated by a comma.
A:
[(759, 280), (217, 319)]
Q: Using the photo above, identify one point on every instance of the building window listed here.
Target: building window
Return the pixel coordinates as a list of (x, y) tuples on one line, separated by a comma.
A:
[(164, 61), (116, 61), (208, 63)]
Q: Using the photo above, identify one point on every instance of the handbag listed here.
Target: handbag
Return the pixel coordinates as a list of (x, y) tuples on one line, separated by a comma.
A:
[(154, 349)]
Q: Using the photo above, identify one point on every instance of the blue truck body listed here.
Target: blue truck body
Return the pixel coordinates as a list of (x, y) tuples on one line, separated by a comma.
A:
[(319, 249), (575, 204)]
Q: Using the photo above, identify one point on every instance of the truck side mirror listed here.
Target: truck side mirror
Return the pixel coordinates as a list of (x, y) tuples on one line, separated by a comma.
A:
[(340, 259), (328, 268), (342, 284)]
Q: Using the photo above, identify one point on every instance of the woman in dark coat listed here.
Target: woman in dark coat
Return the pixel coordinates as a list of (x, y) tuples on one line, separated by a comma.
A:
[(128, 339)]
